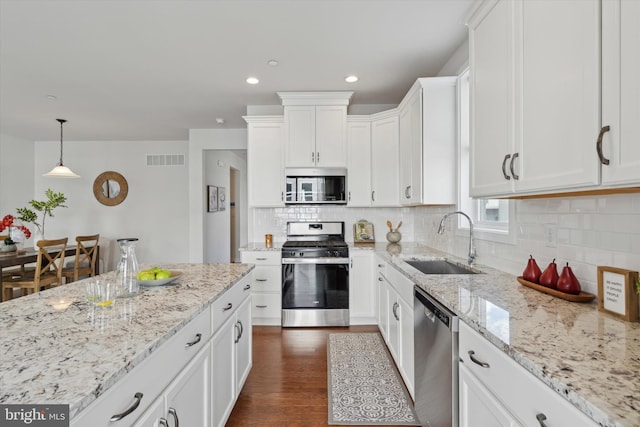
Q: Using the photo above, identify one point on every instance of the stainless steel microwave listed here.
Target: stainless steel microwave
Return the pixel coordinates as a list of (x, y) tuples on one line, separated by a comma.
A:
[(316, 186)]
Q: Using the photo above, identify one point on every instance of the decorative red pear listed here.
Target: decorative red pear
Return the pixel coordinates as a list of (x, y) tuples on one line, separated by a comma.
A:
[(549, 276), (567, 282), (532, 272)]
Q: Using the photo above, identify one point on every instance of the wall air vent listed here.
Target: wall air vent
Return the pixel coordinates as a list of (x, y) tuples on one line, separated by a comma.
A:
[(165, 159)]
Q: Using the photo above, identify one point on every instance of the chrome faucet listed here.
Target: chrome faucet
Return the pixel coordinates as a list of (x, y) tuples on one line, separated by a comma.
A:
[(472, 250)]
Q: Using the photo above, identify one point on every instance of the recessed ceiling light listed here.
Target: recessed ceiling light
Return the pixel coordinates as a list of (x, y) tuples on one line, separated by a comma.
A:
[(273, 62), (252, 80), (351, 79), (220, 120), (52, 97)]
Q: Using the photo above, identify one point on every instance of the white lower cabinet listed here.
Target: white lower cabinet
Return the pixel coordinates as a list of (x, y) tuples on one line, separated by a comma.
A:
[(395, 320), (495, 390), (266, 287), (186, 399), (231, 362), (362, 293)]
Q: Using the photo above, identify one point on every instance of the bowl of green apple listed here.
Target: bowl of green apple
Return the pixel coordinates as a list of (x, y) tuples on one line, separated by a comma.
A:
[(157, 276)]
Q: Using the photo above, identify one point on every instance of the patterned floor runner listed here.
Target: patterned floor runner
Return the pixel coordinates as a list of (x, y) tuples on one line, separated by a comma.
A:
[(364, 385)]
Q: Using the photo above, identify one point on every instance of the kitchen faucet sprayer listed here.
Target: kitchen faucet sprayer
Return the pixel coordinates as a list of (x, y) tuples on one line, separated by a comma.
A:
[(472, 250)]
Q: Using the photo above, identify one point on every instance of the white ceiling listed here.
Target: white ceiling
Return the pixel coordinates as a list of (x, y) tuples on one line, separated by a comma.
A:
[(153, 69)]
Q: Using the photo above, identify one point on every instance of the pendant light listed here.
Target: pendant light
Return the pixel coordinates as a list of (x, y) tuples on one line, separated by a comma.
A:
[(60, 170)]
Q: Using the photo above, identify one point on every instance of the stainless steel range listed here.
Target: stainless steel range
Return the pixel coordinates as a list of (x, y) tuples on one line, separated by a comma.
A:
[(315, 275)]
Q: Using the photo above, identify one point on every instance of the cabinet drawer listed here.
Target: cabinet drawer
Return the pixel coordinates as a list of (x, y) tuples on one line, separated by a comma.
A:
[(503, 375), (267, 279), (169, 359), (266, 305), (224, 307), (261, 257), (403, 285)]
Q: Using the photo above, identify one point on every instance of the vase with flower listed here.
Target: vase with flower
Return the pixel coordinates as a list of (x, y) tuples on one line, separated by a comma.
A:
[(9, 244), (54, 200)]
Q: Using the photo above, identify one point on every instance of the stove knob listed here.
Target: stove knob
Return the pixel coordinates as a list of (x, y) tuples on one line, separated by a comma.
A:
[(336, 253)]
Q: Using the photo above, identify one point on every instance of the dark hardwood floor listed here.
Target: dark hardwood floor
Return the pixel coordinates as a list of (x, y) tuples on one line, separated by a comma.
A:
[(287, 385)]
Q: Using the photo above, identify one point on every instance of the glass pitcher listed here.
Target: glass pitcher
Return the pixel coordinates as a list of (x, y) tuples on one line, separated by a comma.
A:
[(127, 270)]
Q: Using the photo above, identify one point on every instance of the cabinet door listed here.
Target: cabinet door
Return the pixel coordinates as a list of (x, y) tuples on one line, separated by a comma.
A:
[(383, 307), (265, 164), (243, 342), (410, 125), (405, 344), (384, 162), (560, 95), (223, 368), (492, 99), (361, 288), (393, 337), (359, 163), (477, 406), (621, 91), (300, 136), (188, 396), (331, 136)]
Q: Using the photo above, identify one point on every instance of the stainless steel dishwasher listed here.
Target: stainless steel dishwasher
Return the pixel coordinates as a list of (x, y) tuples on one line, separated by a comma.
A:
[(436, 362)]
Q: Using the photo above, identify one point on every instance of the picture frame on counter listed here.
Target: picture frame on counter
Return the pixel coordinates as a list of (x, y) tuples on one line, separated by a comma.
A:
[(363, 232), (617, 293), (212, 198)]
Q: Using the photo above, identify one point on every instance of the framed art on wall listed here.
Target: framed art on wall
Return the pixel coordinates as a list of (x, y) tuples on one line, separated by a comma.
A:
[(617, 293), (222, 198), (212, 198)]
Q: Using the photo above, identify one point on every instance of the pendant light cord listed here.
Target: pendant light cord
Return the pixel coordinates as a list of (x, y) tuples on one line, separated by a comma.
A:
[(61, 122)]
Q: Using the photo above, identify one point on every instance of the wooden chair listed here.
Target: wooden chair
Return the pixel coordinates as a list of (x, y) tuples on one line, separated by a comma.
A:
[(47, 273), (85, 258), (13, 271)]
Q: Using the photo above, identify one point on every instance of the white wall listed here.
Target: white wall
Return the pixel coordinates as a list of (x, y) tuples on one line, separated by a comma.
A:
[(155, 210), (16, 173)]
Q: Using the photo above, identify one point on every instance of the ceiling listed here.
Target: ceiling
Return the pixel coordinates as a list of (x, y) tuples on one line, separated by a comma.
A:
[(153, 69)]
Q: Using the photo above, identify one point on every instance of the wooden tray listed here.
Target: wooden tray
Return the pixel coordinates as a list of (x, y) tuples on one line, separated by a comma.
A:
[(581, 297)]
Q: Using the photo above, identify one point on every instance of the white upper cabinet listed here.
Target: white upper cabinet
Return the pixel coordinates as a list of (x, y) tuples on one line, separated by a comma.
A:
[(428, 142), (620, 92), (265, 162), (535, 99), (315, 128), (358, 161), (384, 159)]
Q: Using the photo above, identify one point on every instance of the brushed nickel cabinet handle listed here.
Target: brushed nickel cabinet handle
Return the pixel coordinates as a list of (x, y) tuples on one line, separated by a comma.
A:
[(228, 307), (349, 195), (137, 398), (195, 341), (603, 160), (373, 196), (261, 259), (261, 280), (174, 414), (513, 172), (504, 166), (261, 306), (476, 360), (318, 157), (246, 288), (162, 422), (313, 157), (542, 418)]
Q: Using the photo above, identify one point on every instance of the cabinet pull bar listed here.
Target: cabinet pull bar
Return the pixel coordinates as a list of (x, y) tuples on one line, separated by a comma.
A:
[(228, 307), (542, 418), (513, 173), (162, 422), (238, 333), (504, 166), (261, 259), (261, 280), (373, 196), (349, 195), (313, 157), (246, 288), (395, 307), (241, 329), (137, 398), (174, 413), (477, 361), (603, 160), (318, 157), (195, 341), (261, 306)]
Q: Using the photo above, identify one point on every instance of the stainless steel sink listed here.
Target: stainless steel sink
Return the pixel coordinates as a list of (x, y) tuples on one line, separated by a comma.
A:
[(439, 266)]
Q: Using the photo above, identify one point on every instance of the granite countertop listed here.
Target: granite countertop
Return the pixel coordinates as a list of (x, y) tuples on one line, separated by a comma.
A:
[(56, 348), (589, 357)]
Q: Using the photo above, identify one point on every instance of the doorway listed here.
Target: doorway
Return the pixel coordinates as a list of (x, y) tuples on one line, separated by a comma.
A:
[(234, 210)]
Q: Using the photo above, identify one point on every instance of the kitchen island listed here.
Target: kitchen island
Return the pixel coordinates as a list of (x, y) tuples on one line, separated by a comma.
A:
[(590, 358), (58, 349)]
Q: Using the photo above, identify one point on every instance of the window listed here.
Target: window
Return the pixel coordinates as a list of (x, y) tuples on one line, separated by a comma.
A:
[(492, 218)]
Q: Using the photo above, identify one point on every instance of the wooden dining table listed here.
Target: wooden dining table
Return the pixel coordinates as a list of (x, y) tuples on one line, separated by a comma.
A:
[(29, 255)]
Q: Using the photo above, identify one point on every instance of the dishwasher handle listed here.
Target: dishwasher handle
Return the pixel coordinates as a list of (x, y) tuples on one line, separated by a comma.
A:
[(434, 311)]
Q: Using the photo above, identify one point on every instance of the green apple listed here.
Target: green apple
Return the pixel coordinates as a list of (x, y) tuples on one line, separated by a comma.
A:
[(146, 275), (163, 274)]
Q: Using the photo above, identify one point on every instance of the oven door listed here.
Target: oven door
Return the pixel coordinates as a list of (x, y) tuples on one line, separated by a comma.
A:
[(315, 291)]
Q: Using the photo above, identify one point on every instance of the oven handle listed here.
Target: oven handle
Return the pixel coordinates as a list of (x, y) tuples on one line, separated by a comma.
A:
[(321, 260)]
